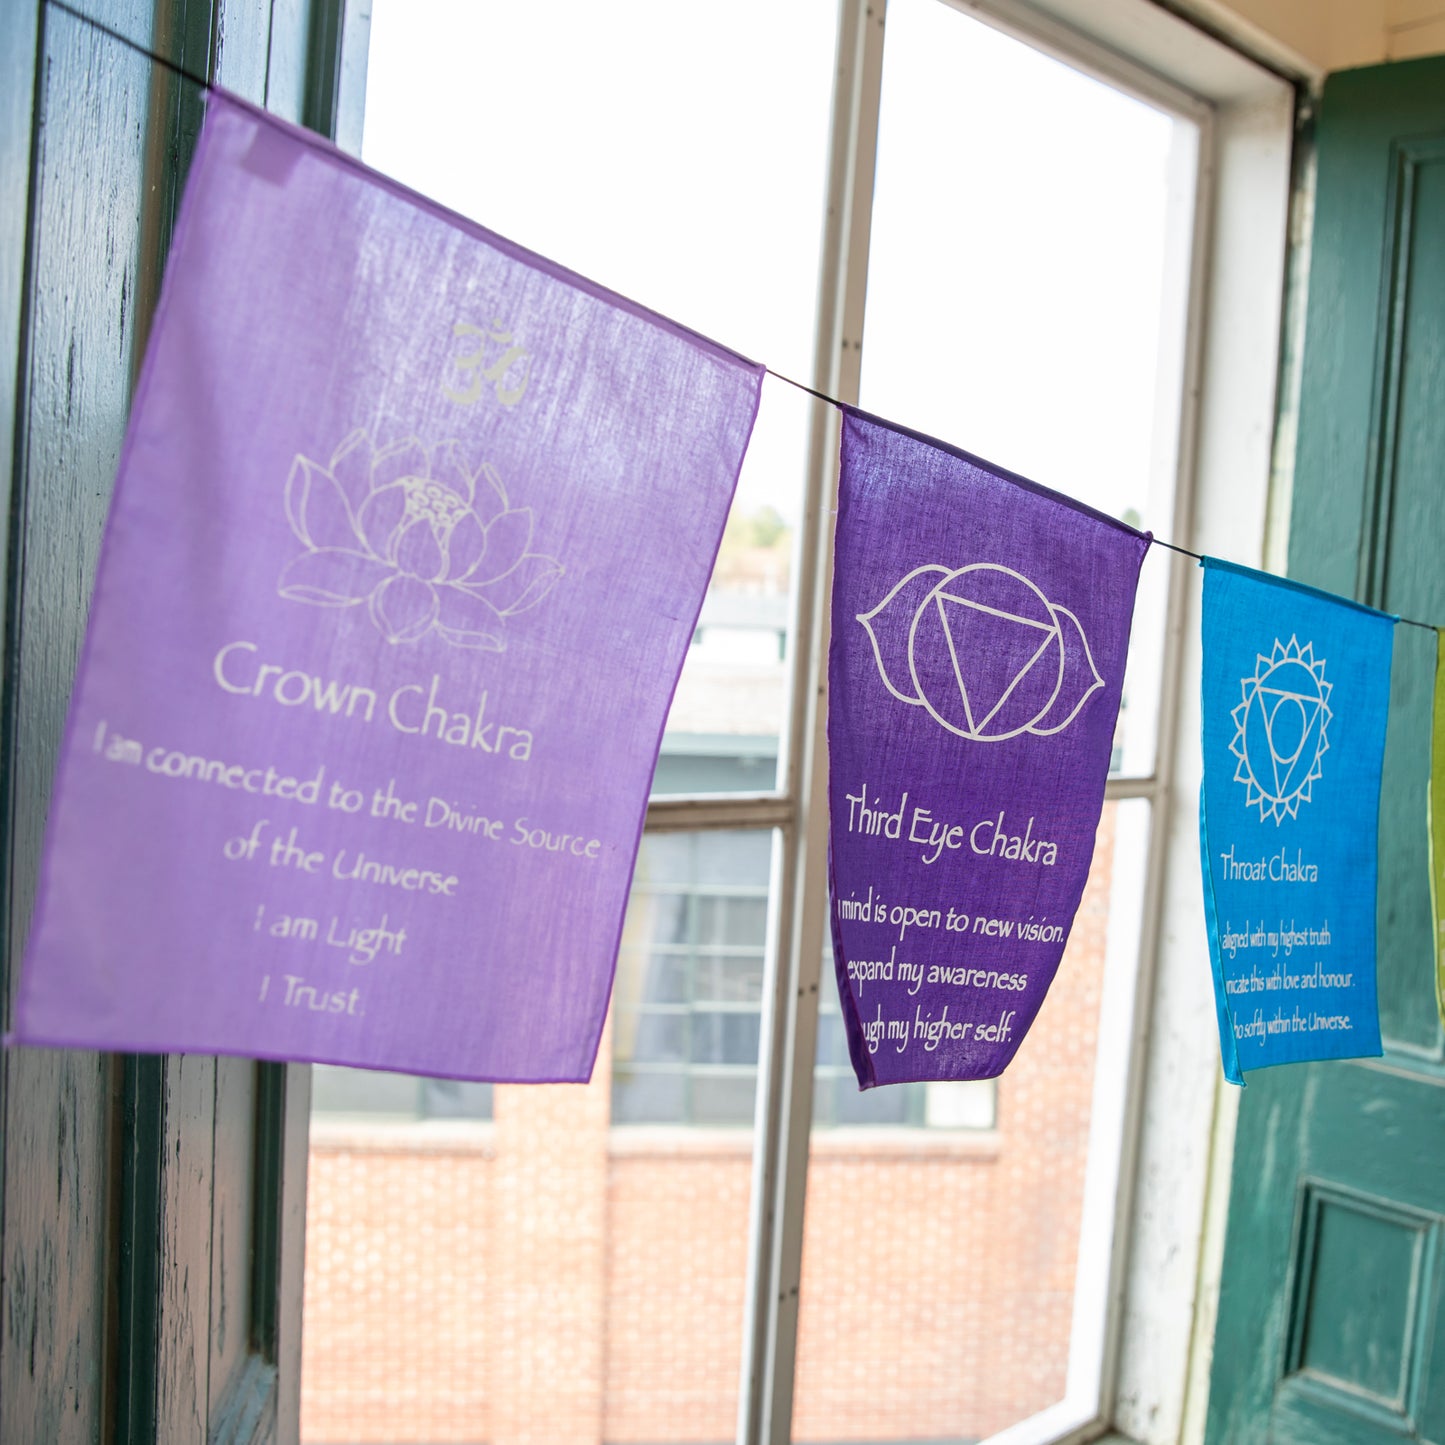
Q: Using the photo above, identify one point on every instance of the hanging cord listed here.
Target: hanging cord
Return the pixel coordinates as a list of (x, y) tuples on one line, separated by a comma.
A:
[(833, 401), (157, 59), (1156, 541)]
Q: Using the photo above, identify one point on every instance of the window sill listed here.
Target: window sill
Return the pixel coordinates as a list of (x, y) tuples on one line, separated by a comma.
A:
[(644, 1141), (375, 1134), (664, 1141), (905, 1144)]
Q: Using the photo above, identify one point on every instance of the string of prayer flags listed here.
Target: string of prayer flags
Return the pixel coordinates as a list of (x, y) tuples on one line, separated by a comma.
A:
[(1295, 694), (1435, 795), (409, 539), (980, 626)]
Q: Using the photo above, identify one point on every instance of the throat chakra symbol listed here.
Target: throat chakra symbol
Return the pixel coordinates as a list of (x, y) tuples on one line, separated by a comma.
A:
[(983, 651), (428, 541), (1280, 729)]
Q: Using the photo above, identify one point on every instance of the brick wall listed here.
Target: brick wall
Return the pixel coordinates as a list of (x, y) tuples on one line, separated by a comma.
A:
[(548, 1280)]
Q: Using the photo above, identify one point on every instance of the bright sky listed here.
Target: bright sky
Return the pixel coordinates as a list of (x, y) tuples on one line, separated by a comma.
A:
[(677, 153)]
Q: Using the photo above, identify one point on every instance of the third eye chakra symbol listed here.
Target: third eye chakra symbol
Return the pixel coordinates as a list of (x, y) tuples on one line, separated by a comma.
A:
[(983, 650), (1281, 724)]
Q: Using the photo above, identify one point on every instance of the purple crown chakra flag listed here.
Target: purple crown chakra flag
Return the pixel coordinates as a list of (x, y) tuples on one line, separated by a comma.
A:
[(1295, 696), (409, 538), (980, 626)]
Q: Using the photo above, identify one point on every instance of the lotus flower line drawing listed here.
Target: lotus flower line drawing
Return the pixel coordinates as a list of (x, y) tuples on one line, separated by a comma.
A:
[(427, 541), (983, 651)]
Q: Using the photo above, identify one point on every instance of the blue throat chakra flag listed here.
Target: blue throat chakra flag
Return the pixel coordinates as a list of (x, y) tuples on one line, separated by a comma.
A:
[(980, 627), (1296, 691), (408, 542)]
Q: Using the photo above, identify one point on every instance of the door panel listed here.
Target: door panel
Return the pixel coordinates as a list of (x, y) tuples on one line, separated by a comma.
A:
[(1329, 1327), (152, 1207), (71, 385)]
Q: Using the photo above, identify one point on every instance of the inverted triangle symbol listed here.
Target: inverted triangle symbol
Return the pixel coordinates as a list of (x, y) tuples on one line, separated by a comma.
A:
[(1286, 769), (992, 652)]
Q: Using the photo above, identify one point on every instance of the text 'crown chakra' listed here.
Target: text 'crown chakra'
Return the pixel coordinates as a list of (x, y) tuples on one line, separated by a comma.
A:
[(983, 650), (1280, 729)]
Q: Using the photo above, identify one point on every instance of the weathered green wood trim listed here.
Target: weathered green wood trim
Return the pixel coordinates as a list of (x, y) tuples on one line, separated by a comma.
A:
[(108, 1191), (323, 69), (147, 1395), (183, 34), (270, 1158), (1406, 158), (142, 1163), (1335, 1122), (247, 1415), (1338, 472), (20, 52), (57, 1107), (19, 59), (351, 86), (296, 1142)]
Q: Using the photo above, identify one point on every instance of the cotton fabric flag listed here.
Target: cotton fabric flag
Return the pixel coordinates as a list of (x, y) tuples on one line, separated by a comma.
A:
[(980, 627), (1295, 695), (409, 538)]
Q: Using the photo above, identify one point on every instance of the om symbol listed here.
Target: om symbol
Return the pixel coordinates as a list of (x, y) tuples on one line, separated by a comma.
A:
[(512, 361)]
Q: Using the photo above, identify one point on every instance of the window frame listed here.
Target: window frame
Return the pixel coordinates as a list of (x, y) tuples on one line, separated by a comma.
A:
[(1224, 500)]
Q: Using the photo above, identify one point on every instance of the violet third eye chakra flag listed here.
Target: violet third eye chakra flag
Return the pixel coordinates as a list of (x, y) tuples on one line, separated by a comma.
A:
[(1295, 695), (408, 542), (980, 626)]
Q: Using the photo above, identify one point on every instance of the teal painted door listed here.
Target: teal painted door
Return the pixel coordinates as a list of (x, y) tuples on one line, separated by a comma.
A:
[(1331, 1329), (151, 1209)]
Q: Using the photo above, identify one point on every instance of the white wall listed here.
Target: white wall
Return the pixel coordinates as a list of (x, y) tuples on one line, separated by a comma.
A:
[(1317, 36)]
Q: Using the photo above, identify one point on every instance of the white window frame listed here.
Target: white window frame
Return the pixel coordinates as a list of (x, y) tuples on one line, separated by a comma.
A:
[(1162, 1132)]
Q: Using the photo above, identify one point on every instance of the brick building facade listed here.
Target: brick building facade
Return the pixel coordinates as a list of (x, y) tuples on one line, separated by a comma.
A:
[(547, 1277)]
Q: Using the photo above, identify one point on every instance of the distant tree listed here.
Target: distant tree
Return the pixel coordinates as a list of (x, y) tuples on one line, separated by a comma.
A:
[(768, 526), (764, 528)]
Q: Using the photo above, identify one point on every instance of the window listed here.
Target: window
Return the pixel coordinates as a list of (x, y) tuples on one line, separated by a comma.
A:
[(345, 1093), (689, 1246), (688, 997)]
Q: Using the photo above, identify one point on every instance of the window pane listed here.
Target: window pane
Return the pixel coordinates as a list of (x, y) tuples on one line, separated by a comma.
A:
[(968, 1220), (725, 1038), (717, 884), (625, 145), (1025, 302), (453, 1099), (1027, 275), (463, 1238), (341, 1093), (543, 1273), (734, 978), (660, 1038), (666, 976), (649, 1096), (731, 921)]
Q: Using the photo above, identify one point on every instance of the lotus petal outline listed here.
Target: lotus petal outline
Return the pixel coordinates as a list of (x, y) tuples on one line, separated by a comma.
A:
[(982, 650), (428, 541)]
